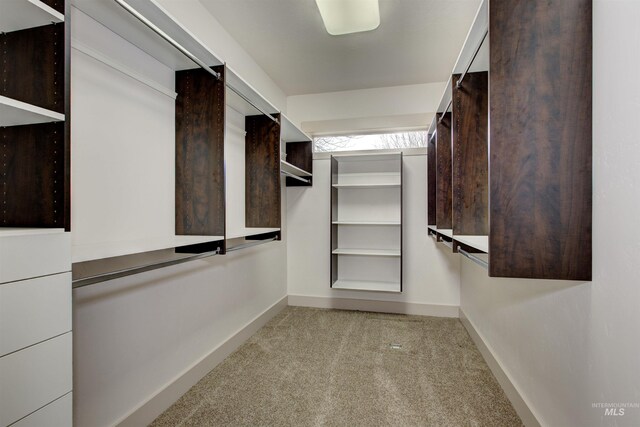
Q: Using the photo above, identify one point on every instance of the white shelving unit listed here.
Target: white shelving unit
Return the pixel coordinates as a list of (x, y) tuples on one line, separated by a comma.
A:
[(366, 222), (481, 243), (18, 15)]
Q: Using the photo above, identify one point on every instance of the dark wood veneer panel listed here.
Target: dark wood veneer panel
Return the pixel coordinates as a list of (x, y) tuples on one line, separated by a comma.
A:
[(262, 172), (58, 5), (33, 66), (470, 128), (431, 181), (541, 141), (443, 173), (32, 175), (200, 186), (300, 154)]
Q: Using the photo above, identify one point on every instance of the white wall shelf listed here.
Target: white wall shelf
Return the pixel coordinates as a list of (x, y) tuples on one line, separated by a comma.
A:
[(288, 167), (290, 132), (113, 249), (18, 15), (17, 113), (351, 222), (364, 186), (367, 252), (356, 285), (480, 243), (446, 233)]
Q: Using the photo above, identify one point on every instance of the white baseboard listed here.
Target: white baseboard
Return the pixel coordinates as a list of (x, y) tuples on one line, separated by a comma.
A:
[(504, 379), (376, 306), (149, 410)]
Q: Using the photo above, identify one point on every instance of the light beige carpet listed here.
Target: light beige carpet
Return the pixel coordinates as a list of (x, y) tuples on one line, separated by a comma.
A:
[(313, 367)]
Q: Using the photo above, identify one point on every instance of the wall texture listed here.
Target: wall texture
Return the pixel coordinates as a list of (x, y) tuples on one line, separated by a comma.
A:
[(568, 345)]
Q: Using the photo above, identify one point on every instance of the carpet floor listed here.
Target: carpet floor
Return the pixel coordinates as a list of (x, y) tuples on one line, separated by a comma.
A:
[(315, 367)]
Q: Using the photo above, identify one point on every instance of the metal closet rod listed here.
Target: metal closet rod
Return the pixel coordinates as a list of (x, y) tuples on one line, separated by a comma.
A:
[(290, 175), (86, 281), (445, 111), (186, 53), (459, 82), (248, 245), (482, 263)]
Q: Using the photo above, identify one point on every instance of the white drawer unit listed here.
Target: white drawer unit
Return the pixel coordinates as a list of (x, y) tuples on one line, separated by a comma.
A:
[(58, 413), (28, 253), (34, 310), (34, 377)]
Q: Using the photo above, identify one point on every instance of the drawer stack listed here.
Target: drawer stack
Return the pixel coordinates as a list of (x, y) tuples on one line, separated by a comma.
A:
[(35, 327)]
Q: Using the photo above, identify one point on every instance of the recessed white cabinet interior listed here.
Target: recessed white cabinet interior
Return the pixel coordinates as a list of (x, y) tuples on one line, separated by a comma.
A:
[(366, 222)]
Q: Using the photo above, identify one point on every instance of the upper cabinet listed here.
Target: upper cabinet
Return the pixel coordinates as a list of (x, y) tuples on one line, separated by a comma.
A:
[(520, 142), (34, 114)]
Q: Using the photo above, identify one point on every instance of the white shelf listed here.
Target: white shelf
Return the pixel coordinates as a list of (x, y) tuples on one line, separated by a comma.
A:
[(389, 185), (288, 167), (113, 249), (368, 252), (480, 243), (121, 22), (344, 222), (16, 231), (446, 232), (432, 228), (367, 157), (16, 113), (22, 14), (250, 231), (290, 133), (356, 285)]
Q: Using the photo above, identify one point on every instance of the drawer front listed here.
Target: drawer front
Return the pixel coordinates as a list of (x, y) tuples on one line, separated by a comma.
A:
[(56, 414), (34, 377), (34, 310), (33, 255)]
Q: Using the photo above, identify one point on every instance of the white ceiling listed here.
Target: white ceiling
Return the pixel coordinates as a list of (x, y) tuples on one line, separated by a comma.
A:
[(417, 42)]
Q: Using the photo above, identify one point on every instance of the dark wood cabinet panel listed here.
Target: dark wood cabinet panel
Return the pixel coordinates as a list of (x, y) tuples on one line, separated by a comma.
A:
[(200, 121), (431, 181), (470, 127), (36, 174), (262, 172), (443, 173), (300, 154), (33, 66), (32, 175), (541, 139)]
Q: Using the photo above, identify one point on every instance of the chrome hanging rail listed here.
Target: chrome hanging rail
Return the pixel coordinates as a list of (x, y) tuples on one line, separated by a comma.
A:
[(248, 245), (186, 53), (247, 100), (482, 263), (85, 281), (162, 34), (290, 175), (459, 82), (445, 111)]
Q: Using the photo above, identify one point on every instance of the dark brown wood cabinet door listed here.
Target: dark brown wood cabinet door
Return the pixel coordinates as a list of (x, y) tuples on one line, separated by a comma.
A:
[(431, 181), (540, 139), (200, 121), (300, 154), (262, 172), (443, 173), (470, 128)]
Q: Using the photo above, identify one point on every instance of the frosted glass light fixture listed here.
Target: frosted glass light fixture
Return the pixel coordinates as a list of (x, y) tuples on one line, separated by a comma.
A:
[(349, 16)]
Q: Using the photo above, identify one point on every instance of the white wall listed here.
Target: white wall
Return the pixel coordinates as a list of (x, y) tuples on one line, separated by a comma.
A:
[(567, 345), (411, 106), (431, 276)]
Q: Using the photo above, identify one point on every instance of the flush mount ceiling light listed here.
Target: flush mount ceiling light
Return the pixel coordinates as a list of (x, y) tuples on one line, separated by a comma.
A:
[(349, 16)]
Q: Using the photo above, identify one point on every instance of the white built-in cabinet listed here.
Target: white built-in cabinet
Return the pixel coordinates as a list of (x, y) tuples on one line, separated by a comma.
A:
[(35, 327), (366, 222)]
